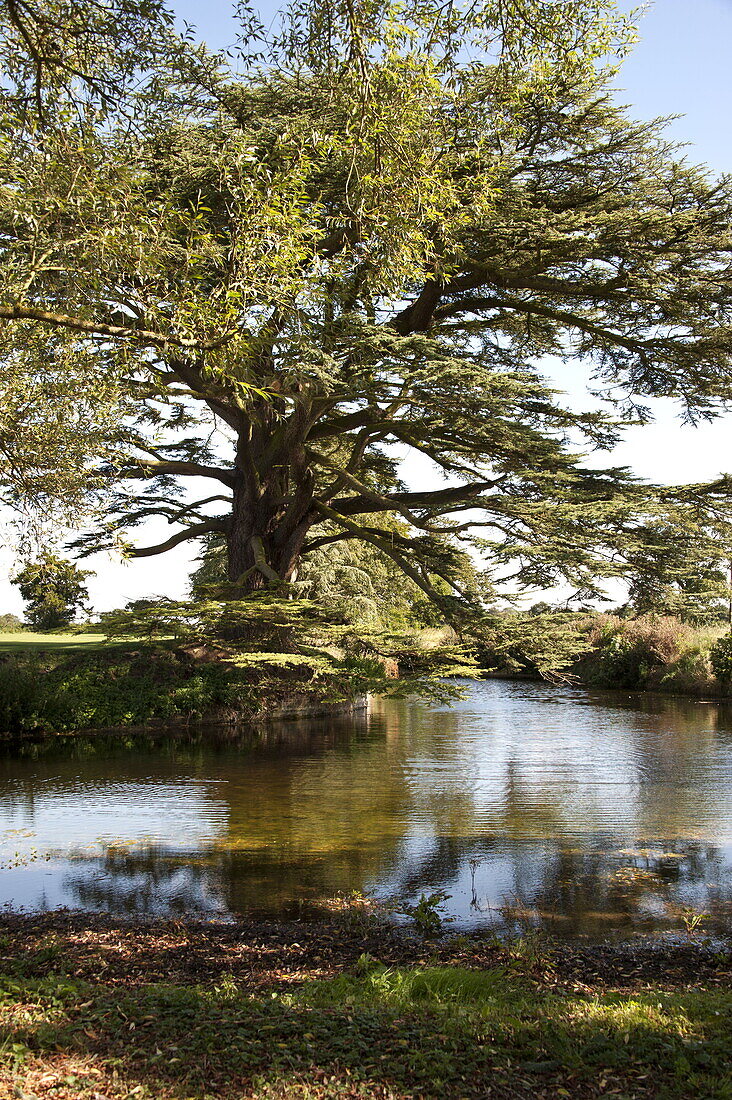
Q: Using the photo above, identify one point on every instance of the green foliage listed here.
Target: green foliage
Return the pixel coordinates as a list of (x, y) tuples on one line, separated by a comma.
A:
[(349, 581), (54, 590), (401, 1030), (629, 652), (229, 660), (10, 624), (264, 622), (54, 54), (682, 569), (545, 644), (22, 698), (721, 658), (427, 915), (106, 690), (649, 652), (156, 683), (693, 920), (278, 624), (691, 672)]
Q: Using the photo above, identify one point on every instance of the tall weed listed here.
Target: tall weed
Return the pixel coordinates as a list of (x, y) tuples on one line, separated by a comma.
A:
[(651, 652)]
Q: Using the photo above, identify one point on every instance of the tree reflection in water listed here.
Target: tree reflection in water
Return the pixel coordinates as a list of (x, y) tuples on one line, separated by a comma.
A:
[(528, 804)]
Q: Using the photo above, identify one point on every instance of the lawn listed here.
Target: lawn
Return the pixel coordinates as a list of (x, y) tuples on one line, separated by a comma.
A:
[(261, 1011), (26, 641)]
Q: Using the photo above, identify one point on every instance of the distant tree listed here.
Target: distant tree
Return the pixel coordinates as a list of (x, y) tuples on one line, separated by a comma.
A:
[(10, 624), (54, 590)]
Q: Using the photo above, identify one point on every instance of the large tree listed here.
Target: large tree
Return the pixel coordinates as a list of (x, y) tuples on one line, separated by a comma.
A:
[(275, 285)]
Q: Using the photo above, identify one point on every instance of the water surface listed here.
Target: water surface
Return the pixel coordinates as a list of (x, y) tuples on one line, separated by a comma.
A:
[(530, 805)]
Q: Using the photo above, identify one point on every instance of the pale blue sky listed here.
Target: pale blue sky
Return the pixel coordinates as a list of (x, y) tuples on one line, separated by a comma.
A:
[(680, 67)]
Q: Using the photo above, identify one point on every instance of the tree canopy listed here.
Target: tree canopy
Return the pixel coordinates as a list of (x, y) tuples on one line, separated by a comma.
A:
[(277, 284), (57, 52)]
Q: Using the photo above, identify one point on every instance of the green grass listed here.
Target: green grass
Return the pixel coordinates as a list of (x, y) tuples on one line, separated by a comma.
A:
[(28, 642), (374, 1031)]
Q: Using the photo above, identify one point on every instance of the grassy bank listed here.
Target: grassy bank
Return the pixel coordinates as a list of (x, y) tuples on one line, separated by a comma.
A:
[(214, 662), (26, 641), (63, 683), (73, 682), (314, 1011)]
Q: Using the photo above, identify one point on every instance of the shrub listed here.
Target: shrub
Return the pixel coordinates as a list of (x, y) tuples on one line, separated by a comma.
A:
[(10, 624), (95, 691), (720, 656), (158, 682), (629, 652), (22, 695), (691, 673)]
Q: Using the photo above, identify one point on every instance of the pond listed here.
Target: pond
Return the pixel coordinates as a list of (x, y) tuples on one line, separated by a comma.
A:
[(530, 805)]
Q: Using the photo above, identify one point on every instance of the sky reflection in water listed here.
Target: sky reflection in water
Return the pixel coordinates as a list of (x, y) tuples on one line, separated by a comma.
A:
[(528, 804)]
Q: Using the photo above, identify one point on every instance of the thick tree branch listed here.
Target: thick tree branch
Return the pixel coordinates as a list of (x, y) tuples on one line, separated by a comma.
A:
[(338, 425), (356, 505), (417, 317), (260, 559), (143, 337), (192, 376), (147, 468)]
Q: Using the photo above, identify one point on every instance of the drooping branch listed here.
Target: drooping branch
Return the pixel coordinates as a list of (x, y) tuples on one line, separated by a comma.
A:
[(187, 508), (388, 503), (196, 531), (529, 306), (169, 511), (386, 542), (367, 535)]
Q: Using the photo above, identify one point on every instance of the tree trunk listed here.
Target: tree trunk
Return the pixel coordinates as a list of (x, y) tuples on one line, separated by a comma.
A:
[(270, 518)]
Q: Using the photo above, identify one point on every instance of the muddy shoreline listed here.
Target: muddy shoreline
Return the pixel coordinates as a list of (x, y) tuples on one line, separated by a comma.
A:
[(270, 952)]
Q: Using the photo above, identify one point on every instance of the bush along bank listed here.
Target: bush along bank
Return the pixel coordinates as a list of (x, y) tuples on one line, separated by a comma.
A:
[(647, 653), (172, 663), (155, 683)]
